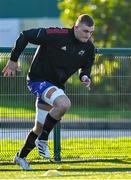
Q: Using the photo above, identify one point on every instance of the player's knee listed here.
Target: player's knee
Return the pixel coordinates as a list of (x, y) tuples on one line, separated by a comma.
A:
[(65, 106), (62, 103)]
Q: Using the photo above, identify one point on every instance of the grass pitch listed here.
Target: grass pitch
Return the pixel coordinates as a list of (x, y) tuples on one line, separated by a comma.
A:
[(113, 160), (96, 169)]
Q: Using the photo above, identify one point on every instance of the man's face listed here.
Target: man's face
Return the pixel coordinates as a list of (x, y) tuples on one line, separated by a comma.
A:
[(83, 32)]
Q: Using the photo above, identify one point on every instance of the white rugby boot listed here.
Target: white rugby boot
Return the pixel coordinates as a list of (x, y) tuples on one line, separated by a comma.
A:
[(22, 162), (43, 148)]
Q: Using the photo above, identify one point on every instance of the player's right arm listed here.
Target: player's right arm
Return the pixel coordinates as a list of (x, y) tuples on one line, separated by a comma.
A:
[(10, 68), (34, 36)]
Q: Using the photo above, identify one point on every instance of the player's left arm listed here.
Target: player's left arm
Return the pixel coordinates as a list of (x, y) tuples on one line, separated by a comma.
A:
[(85, 72)]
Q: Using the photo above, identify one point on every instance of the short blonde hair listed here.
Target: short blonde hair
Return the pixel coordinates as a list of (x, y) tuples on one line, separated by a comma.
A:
[(85, 19)]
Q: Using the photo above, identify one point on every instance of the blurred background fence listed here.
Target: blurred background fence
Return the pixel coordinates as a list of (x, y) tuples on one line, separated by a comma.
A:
[(98, 125)]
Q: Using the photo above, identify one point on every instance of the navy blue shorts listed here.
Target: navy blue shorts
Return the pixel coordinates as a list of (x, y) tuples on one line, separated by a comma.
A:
[(37, 88)]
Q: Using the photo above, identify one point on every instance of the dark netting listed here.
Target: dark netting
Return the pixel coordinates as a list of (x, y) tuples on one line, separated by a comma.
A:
[(98, 125)]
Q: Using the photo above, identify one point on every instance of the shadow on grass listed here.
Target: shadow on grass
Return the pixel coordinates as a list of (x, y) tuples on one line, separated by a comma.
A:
[(73, 169), (112, 169), (118, 161)]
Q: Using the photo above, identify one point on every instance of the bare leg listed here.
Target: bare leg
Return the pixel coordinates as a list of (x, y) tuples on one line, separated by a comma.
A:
[(61, 105)]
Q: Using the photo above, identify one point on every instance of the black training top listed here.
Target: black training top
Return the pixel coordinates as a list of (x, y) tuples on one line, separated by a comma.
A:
[(58, 55)]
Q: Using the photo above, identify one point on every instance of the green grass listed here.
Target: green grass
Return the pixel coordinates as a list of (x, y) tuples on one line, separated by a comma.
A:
[(100, 159), (110, 169), (18, 112), (74, 113), (81, 148)]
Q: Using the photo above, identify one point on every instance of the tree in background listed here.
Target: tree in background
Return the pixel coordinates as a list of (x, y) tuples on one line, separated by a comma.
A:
[(112, 19)]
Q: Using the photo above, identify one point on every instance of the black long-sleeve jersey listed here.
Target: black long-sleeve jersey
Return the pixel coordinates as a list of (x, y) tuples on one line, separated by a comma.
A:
[(58, 56)]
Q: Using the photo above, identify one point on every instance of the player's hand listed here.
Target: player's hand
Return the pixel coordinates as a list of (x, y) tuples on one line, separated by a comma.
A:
[(10, 68), (86, 81)]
